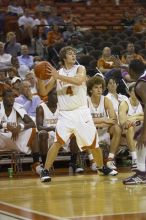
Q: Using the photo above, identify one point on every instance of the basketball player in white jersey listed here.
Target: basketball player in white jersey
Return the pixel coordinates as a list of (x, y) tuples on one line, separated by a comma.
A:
[(104, 117), (17, 130), (130, 117), (116, 98), (46, 119), (74, 115)]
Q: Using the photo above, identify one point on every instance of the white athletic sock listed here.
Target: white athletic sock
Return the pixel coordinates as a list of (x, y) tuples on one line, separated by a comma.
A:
[(111, 155), (141, 159), (134, 155), (90, 156)]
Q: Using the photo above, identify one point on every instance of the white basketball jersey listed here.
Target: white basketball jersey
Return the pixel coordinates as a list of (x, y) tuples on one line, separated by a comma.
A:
[(70, 96), (13, 117), (132, 110), (98, 112), (115, 101), (50, 118)]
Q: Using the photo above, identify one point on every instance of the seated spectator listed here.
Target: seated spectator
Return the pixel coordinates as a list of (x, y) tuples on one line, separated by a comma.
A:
[(43, 8), (5, 58), (131, 51), (17, 129), (29, 101), (55, 18), (104, 118), (67, 34), (39, 20), (125, 68), (76, 43), (15, 84), (140, 26), (14, 9), (70, 31), (40, 42), (11, 73), (107, 62), (25, 23), (30, 77), (11, 46), (131, 116), (54, 36), (25, 60), (127, 21), (18, 71)]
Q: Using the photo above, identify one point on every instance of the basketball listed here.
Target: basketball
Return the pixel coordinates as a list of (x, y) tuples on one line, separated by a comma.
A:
[(41, 70)]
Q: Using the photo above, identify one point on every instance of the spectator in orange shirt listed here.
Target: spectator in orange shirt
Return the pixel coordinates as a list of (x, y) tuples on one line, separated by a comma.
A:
[(107, 62), (140, 26), (131, 51), (53, 38)]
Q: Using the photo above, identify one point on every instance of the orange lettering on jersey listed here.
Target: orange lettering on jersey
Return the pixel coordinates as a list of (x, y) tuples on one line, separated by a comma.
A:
[(69, 91)]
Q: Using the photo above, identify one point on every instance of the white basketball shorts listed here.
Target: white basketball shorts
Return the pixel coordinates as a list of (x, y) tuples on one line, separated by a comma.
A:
[(80, 123)]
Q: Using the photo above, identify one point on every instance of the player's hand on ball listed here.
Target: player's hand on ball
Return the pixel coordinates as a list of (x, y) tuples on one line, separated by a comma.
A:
[(52, 71)]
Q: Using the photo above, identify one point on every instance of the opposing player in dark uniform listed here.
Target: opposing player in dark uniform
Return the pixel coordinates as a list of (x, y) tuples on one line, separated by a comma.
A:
[(138, 73)]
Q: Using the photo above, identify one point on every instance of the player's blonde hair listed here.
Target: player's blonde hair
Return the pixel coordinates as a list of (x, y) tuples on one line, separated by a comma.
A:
[(63, 52)]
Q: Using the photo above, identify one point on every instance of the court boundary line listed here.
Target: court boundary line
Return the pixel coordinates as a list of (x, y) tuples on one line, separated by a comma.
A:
[(13, 215), (29, 211), (107, 215)]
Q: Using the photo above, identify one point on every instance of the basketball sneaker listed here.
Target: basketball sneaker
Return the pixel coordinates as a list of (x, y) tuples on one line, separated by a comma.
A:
[(107, 171), (134, 165), (136, 179), (111, 164), (79, 170), (44, 176)]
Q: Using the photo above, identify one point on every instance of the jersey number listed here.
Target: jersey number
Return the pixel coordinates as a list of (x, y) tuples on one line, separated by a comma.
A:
[(69, 91)]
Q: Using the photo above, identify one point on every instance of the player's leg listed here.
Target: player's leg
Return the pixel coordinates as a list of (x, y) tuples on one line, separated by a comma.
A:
[(115, 133), (140, 176), (131, 144), (88, 139), (93, 165), (74, 164), (33, 145), (62, 135), (43, 144)]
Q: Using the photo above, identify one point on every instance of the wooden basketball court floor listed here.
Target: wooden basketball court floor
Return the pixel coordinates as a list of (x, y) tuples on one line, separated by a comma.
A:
[(76, 197)]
